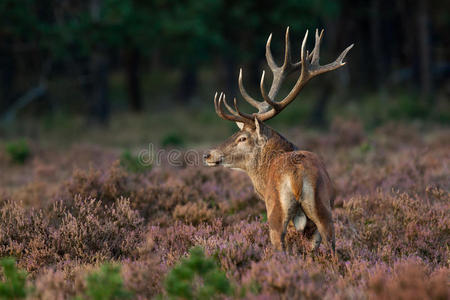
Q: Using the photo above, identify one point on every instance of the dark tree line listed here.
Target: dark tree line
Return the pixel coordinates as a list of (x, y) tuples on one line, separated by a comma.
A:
[(398, 44)]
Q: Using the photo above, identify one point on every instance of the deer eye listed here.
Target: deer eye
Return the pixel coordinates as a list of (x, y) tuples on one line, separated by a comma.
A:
[(242, 139)]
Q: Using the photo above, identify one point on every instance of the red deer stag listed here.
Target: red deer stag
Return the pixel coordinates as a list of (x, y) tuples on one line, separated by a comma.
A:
[(294, 184)]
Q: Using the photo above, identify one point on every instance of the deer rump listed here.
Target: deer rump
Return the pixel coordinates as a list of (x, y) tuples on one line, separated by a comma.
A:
[(299, 182)]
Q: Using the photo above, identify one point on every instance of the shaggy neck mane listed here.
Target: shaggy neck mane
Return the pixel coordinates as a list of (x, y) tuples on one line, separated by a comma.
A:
[(276, 144)]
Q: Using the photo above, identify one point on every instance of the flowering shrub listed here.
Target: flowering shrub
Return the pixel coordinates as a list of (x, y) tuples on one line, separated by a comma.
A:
[(391, 221), (409, 280)]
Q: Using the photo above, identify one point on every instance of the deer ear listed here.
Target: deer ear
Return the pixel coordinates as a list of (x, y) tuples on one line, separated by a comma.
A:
[(240, 125)]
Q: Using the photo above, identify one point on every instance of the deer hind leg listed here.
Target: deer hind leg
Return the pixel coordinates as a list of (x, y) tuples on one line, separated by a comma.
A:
[(320, 215), (307, 227), (324, 230), (316, 240)]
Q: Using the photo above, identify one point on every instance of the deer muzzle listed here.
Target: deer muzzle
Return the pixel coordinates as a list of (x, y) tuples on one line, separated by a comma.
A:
[(213, 158)]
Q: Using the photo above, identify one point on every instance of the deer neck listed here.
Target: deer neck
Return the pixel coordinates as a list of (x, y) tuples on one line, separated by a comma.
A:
[(258, 169)]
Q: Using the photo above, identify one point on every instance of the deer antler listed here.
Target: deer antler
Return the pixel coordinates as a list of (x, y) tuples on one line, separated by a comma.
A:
[(235, 116), (309, 66)]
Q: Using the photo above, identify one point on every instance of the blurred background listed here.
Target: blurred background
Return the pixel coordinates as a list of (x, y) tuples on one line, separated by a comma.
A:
[(133, 71)]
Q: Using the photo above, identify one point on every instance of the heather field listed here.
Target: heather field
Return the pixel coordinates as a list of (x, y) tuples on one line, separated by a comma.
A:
[(69, 209)]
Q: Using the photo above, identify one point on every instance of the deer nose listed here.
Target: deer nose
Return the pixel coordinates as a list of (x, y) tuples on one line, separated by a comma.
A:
[(206, 155)]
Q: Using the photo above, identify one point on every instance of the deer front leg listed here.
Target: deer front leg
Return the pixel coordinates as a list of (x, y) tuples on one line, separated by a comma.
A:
[(277, 230), (277, 223)]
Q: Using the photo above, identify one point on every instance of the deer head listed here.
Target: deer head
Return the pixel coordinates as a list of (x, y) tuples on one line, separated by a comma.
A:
[(248, 148), (242, 149)]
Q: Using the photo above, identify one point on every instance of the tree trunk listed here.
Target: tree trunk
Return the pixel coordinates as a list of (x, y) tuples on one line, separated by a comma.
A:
[(7, 76), (132, 58), (320, 105), (100, 87), (98, 69), (424, 40), (188, 84), (375, 34), (96, 87), (230, 74)]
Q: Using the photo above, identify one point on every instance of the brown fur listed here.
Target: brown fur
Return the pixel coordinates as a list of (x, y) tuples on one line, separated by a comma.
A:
[(290, 181)]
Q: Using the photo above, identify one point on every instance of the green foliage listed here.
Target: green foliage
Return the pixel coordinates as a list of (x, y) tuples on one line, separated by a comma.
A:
[(188, 35), (263, 217), (197, 277), (365, 147), (172, 139), (18, 151), (132, 162), (191, 25), (408, 106), (375, 110), (13, 286), (106, 284)]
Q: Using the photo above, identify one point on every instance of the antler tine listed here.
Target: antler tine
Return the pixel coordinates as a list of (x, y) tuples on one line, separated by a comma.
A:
[(242, 114), (304, 56), (220, 113), (216, 106), (331, 66), (316, 51), (215, 102), (269, 57), (229, 108), (219, 105), (228, 117), (264, 94), (287, 51), (280, 73), (344, 53), (255, 103)]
